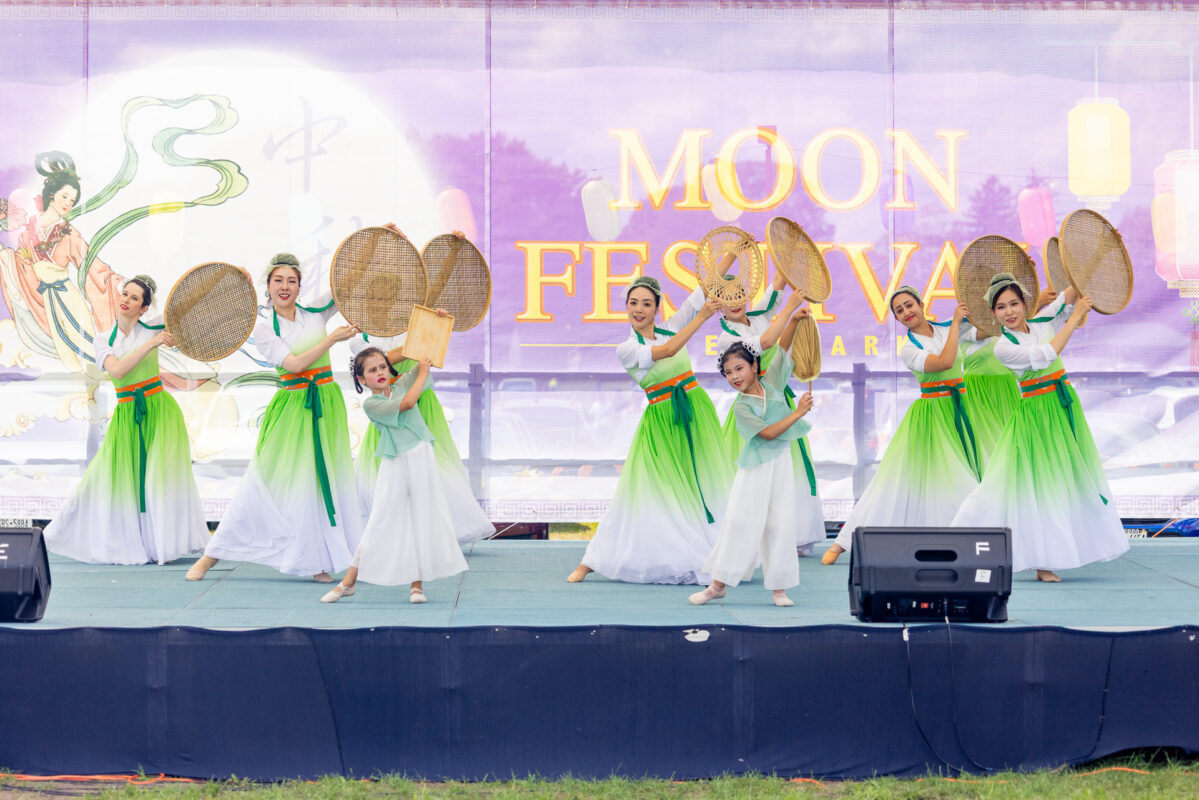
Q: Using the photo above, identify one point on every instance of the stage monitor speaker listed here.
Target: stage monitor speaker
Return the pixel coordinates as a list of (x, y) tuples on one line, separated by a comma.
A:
[(24, 575), (926, 574)]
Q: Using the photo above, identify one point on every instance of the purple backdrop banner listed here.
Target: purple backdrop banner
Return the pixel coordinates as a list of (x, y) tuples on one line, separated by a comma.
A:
[(581, 145)]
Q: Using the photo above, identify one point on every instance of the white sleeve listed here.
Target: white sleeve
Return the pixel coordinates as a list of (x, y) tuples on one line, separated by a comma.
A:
[(913, 357), (968, 340), (634, 355), (769, 304), (1024, 357), (1056, 314), (270, 345), (101, 348), (323, 304), (687, 311)]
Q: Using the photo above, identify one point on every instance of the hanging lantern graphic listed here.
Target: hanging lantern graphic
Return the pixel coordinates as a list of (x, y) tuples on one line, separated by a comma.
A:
[(454, 213), (1175, 212), (722, 209), (1035, 206), (603, 221), (1100, 151)]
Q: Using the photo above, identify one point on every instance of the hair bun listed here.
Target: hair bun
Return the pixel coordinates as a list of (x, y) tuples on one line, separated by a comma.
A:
[(146, 279), (285, 260)]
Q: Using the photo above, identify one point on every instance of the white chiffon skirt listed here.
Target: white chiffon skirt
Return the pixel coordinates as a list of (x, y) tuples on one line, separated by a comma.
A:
[(410, 533), (764, 506)]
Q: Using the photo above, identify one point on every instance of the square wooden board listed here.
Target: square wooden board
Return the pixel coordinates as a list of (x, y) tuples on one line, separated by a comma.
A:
[(428, 336)]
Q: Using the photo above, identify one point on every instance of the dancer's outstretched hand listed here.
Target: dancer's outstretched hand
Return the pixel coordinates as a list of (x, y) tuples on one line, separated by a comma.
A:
[(804, 403), (710, 308)]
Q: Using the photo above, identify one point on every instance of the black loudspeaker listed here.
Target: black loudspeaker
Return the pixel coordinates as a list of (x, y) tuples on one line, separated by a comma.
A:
[(24, 575), (926, 574)]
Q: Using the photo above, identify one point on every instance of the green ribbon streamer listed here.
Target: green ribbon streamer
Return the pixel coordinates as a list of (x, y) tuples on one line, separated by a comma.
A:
[(683, 415), (961, 421), (789, 396), (139, 416), (1063, 397), (231, 182), (312, 401)]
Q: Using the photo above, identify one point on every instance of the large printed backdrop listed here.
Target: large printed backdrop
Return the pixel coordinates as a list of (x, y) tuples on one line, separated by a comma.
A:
[(581, 144)]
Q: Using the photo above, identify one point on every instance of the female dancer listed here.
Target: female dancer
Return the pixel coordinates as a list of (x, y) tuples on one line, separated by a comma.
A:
[(296, 509), (137, 502), (675, 481), (409, 538), (992, 393), (765, 500), (932, 462), (47, 247), (1044, 480)]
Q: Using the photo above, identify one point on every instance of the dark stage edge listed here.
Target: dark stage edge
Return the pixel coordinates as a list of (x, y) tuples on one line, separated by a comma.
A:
[(511, 672)]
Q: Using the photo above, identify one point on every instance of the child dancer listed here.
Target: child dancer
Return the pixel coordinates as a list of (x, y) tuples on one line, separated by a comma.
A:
[(138, 501), (675, 481), (765, 501), (755, 325), (1044, 480), (932, 462), (296, 509), (470, 521), (409, 537)]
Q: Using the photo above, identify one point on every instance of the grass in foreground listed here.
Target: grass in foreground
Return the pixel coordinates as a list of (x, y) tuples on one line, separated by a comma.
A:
[(1135, 777)]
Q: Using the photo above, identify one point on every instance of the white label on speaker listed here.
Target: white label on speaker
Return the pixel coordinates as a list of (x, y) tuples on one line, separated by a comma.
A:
[(982, 576)]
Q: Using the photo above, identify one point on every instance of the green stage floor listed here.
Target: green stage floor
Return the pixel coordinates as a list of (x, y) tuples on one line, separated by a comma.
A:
[(523, 583)]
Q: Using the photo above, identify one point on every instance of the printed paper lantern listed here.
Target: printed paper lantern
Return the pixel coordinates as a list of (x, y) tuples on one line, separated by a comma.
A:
[(454, 213), (603, 221), (1100, 151), (722, 209), (1175, 212), (1035, 205)]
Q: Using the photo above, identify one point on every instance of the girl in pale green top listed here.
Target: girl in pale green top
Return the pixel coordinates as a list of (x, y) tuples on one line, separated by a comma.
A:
[(409, 537), (765, 500)]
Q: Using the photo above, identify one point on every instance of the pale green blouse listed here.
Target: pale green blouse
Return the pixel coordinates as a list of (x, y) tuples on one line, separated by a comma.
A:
[(753, 414), (399, 431)]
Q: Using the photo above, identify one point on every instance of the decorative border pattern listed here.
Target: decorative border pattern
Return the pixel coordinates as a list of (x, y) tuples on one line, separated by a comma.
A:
[(548, 510)]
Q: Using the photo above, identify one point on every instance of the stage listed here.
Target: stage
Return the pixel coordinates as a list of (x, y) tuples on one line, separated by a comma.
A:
[(521, 583), (508, 670)]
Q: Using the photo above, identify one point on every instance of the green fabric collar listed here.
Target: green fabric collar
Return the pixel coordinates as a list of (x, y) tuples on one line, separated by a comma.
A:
[(657, 331)]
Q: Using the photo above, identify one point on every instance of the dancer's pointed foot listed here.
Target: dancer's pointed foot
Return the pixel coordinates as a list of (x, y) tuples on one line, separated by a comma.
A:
[(199, 569), (337, 592), (1048, 576), (711, 593), (781, 599), (579, 574), (832, 554)]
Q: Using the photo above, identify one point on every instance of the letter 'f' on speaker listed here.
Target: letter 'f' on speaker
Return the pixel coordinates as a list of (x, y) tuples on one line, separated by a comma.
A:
[(925, 574), (24, 575)]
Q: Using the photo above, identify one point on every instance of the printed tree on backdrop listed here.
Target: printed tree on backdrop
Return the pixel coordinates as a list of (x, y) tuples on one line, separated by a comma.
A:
[(990, 209), (532, 198)]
